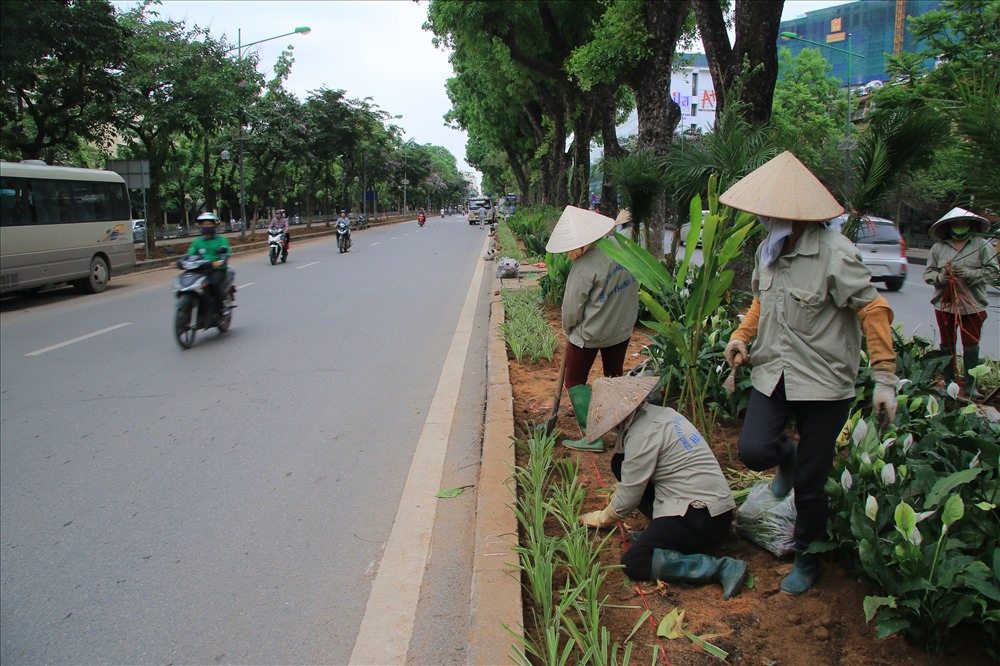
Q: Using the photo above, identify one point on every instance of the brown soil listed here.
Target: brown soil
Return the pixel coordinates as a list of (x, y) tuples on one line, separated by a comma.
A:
[(762, 626)]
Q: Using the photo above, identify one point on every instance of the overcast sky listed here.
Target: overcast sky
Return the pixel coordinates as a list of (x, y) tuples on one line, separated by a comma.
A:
[(368, 48)]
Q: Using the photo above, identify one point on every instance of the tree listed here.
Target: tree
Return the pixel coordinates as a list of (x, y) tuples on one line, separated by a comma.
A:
[(58, 63)]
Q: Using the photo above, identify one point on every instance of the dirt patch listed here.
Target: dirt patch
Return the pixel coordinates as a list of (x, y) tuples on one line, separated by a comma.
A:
[(762, 626)]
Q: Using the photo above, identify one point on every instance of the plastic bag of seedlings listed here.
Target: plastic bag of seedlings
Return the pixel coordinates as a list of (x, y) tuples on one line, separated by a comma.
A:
[(767, 520)]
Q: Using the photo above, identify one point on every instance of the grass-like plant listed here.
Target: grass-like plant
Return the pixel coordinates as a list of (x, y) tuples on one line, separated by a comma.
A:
[(525, 329)]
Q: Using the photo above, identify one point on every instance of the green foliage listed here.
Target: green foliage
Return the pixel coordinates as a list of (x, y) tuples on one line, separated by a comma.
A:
[(508, 244), (533, 226), (553, 283), (525, 329), (682, 305), (639, 177), (915, 509)]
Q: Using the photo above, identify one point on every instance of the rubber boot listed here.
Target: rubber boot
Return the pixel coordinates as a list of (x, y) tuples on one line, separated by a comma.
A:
[(970, 359), (949, 370), (579, 395), (804, 573), (784, 478), (698, 569)]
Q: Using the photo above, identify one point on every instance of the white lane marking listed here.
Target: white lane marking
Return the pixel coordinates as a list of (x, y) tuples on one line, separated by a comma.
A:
[(311, 263), (80, 339), (376, 243), (386, 629), (394, 238), (244, 286)]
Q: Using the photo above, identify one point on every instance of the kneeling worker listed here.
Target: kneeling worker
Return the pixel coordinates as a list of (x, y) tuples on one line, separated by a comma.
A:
[(665, 469)]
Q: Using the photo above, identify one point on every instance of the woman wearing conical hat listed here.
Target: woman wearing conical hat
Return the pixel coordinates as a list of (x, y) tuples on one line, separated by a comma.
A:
[(959, 266), (812, 299), (599, 308), (666, 470)]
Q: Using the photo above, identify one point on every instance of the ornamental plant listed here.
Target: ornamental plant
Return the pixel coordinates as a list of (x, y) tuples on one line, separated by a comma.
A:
[(915, 510)]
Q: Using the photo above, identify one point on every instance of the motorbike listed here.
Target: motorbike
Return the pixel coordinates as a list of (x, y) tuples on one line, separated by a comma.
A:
[(194, 311), (362, 222), (442, 212), (343, 237), (277, 246), (421, 219)]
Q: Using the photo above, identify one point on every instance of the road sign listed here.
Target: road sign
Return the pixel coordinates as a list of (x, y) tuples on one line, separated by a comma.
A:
[(406, 182), (848, 144)]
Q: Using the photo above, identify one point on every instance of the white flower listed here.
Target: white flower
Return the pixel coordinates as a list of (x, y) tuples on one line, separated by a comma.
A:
[(953, 390), (718, 369), (901, 383), (860, 431), (871, 507), (907, 443), (889, 474), (924, 515), (846, 480), (685, 293), (915, 537), (975, 461), (866, 459), (886, 444), (932, 406)]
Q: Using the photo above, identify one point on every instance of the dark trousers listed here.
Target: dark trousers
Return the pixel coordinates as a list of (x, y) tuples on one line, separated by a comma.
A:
[(970, 326), (763, 444), (216, 283), (693, 532), (580, 359)]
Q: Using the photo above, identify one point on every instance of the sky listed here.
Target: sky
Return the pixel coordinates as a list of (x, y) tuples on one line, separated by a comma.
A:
[(369, 48)]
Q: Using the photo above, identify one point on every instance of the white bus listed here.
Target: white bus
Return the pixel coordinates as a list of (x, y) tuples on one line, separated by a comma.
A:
[(59, 224)]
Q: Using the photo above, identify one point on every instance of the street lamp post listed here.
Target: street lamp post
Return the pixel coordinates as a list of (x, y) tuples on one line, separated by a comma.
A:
[(304, 30), (848, 143)]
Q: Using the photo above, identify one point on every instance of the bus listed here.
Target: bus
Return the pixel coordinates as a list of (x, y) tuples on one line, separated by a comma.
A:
[(61, 224)]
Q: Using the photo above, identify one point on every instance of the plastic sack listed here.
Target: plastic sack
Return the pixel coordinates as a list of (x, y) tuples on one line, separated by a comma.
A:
[(508, 268), (767, 520)]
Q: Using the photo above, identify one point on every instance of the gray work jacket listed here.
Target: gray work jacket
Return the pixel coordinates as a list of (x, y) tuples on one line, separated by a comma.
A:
[(663, 448), (601, 302), (968, 293)]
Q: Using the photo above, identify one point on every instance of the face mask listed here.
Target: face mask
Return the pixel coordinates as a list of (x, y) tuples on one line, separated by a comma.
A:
[(960, 232), (208, 231)]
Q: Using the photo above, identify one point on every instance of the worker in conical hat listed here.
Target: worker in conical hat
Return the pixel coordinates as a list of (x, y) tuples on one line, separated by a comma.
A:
[(812, 299), (599, 308), (666, 470)]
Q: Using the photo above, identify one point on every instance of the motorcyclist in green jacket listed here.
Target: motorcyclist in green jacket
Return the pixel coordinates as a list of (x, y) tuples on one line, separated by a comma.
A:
[(215, 248)]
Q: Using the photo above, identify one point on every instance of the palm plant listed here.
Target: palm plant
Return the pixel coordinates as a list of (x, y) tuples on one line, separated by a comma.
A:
[(977, 119), (640, 178)]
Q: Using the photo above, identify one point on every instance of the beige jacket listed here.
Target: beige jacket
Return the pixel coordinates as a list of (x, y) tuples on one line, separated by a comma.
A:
[(809, 330), (663, 448), (601, 302), (968, 293)]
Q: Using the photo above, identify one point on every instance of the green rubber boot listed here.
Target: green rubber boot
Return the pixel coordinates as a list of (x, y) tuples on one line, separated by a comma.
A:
[(579, 395), (698, 569), (970, 359), (949, 370), (784, 478), (803, 574)]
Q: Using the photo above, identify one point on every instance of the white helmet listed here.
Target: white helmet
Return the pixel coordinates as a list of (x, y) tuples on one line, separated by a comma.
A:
[(208, 217)]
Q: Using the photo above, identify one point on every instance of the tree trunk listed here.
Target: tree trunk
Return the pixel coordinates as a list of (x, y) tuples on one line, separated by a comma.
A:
[(612, 151)]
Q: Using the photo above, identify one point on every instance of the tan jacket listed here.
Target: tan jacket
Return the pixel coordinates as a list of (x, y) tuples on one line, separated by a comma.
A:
[(601, 302), (808, 329), (968, 293), (663, 448)]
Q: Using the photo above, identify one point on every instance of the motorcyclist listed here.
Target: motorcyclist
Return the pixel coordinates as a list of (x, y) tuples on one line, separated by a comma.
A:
[(344, 222), (215, 248), (281, 223)]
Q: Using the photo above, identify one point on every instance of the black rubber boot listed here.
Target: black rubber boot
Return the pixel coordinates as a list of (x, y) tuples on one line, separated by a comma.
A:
[(970, 359), (784, 478), (949, 370), (698, 569), (803, 574)]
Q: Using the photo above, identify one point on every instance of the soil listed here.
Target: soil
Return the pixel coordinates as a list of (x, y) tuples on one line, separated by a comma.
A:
[(762, 626)]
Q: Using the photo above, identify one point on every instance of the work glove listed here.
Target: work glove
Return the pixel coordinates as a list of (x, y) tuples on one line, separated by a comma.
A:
[(884, 400), (605, 518), (958, 271), (736, 352), (179, 263)]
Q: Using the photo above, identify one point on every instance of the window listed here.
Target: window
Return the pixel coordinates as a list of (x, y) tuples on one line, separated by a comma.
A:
[(694, 110), (694, 84)]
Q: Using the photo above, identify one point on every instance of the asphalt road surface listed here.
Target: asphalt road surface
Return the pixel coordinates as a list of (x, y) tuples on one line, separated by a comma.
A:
[(231, 503)]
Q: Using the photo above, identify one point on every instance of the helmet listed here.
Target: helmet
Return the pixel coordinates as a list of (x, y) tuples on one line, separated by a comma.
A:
[(343, 212), (208, 218)]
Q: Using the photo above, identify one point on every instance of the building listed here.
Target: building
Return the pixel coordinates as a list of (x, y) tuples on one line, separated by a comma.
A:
[(869, 28), (692, 89)]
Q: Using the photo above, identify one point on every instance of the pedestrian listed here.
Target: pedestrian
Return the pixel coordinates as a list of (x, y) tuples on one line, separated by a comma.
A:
[(599, 308), (665, 469), (960, 265), (812, 297), (482, 215)]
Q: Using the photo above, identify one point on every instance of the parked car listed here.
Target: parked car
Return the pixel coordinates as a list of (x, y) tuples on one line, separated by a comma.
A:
[(882, 249), (474, 206), (139, 231), (686, 229)]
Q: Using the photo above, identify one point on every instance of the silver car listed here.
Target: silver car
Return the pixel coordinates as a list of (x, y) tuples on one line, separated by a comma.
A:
[(881, 247)]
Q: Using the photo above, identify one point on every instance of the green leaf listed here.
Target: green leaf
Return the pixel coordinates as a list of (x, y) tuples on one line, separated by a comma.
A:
[(707, 647), (872, 604), (452, 492), (670, 625), (906, 519), (954, 509), (944, 486)]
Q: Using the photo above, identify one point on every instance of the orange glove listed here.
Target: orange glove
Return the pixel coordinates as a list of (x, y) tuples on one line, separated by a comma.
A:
[(747, 330), (876, 322)]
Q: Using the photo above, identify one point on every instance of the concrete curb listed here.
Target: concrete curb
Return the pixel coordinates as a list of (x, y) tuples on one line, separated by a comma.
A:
[(496, 583)]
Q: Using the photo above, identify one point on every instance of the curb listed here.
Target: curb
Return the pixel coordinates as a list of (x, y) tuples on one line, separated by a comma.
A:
[(496, 582)]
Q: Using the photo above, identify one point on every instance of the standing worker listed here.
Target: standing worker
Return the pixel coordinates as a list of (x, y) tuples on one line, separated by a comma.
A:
[(482, 215), (666, 470), (812, 299), (960, 265), (599, 308)]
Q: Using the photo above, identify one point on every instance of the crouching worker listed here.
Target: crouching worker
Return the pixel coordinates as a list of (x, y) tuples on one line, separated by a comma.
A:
[(665, 469)]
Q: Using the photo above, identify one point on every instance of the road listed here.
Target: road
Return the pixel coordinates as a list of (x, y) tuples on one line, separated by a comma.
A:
[(231, 503)]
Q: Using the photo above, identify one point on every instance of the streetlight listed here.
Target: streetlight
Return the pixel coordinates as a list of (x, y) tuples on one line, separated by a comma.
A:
[(304, 30), (848, 143)]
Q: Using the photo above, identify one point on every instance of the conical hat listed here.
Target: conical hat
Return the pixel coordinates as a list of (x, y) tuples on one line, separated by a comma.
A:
[(578, 227), (624, 217), (613, 399), (939, 229), (785, 189)]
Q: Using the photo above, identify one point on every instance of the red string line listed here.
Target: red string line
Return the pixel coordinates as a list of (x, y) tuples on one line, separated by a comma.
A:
[(624, 538)]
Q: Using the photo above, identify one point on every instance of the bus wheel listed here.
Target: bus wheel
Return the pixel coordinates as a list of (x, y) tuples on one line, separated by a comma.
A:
[(97, 279)]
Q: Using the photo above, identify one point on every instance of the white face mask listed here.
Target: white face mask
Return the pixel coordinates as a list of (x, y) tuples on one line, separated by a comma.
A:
[(777, 232)]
